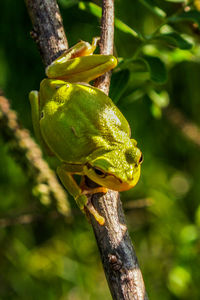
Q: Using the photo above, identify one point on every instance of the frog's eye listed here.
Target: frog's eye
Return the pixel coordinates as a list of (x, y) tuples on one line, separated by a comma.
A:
[(99, 172), (141, 159)]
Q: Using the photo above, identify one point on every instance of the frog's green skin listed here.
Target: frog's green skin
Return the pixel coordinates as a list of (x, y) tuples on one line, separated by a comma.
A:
[(82, 127)]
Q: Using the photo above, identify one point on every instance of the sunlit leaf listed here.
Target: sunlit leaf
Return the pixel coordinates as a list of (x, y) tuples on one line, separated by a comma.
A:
[(197, 4), (68, 3), (131, 95), (161, 99), (176, 1), (175, 39), (96, 11), (150, 4), (179, 279), (119, 83), (189, 234), (125, 28), (156, 111), (156, 68)]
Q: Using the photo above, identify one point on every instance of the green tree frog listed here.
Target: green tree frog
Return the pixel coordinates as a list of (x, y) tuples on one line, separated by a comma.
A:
[(82, 127)]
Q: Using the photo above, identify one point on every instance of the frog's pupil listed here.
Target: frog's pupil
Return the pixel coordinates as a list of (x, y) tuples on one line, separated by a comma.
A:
[(98, 172)]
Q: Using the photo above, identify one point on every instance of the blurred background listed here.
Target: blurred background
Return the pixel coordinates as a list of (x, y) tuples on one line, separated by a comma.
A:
[(157, 88)]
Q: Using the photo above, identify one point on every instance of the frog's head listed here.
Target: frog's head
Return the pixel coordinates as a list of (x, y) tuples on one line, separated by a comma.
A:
[(116, 169), (57, 90)]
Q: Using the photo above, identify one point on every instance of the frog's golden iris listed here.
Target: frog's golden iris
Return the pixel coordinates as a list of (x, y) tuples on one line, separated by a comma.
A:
[(82, 127)]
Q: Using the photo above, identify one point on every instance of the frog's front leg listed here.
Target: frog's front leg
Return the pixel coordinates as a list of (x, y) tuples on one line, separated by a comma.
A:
[(77, 65), (65, 173), (36, 116), (34, 101)]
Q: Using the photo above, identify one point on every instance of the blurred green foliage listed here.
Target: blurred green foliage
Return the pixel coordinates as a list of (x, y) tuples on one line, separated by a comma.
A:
[(157, 43)]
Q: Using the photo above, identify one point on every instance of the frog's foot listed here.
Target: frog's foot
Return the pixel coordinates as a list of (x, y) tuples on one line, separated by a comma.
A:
[(70, 184), (83, 202)]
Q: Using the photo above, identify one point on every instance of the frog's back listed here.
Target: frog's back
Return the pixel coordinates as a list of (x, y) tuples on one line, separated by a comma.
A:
[(82, 119)]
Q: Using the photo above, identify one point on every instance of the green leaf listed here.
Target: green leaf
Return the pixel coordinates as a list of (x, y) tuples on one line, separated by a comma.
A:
[(96, 11), (156, 68), (156, 111), (131, 95), (91, 8), (192, 16), (150, 4), (175, 39), (160, 99), (119, 83), (68, 3), (179, 280), (125, 28), (176, 1)]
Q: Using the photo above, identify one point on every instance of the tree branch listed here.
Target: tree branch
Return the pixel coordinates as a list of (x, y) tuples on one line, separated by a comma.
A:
[(48, 31), (106, 41), (118, 257)]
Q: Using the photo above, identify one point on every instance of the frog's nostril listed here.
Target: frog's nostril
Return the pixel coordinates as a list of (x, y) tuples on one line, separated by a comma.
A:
[(129, 175)]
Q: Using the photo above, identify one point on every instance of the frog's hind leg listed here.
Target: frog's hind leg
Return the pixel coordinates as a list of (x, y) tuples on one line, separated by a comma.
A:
[(81, 69), (65, 173), (80, 49), (78, 65)]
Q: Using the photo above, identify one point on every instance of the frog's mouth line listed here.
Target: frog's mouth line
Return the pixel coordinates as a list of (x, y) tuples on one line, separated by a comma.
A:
[(110, 180), (122, 186), (117, 184)]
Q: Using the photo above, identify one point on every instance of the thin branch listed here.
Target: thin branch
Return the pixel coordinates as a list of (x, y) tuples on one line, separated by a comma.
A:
[(106, 41), (118, 256), (28, 155)]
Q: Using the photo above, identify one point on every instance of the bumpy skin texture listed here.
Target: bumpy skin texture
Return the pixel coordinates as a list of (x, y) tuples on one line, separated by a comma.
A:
[(82, 127)]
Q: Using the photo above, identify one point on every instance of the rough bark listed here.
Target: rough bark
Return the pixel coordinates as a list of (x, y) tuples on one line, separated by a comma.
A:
[(48, 31), (118, 255)]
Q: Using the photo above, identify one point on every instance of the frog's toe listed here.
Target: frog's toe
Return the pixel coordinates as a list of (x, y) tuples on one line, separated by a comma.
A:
[(95, 213), (83, 203)]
